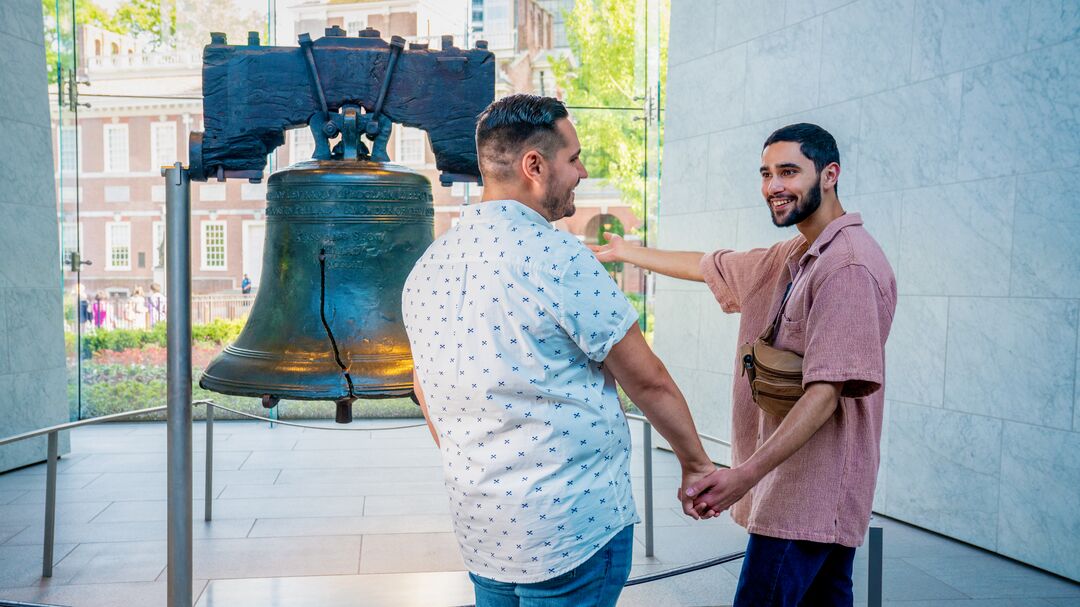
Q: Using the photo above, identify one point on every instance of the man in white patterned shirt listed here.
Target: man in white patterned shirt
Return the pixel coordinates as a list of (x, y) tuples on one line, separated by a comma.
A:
[(518, 336)]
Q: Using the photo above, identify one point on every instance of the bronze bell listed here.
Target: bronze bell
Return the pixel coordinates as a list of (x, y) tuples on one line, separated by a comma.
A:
[(341, 238)]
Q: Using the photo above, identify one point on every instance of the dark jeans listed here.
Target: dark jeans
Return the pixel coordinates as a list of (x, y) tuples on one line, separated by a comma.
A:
[(787, 573)]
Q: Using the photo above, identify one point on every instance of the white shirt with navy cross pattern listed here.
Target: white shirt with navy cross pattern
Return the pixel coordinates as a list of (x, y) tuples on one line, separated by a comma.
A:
[(509, 320)]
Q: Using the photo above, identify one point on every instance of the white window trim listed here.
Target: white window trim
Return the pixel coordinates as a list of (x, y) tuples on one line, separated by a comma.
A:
[(399, 136), (156, 227), (106, 132), (60, 170), (109, 247), (224, 244), (246, 242), (159, 162)]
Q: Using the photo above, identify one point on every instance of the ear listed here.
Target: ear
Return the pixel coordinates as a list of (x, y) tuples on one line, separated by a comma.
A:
[(830, 175), (533, 166)]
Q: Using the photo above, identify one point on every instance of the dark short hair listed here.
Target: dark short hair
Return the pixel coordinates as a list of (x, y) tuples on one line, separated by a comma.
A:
[(814, 142), (513, 123)]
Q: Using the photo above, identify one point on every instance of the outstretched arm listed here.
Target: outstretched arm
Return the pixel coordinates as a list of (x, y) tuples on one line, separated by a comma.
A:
[(677, 264)]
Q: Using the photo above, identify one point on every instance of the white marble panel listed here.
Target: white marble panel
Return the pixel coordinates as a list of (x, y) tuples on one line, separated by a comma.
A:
[(684, 183), (1052, 21), (943, 472), (734, 158), (703, 231), (27, 167), (1045, 246), (956, 239), (5, 337), (29, 256), (32, 400), (718, 337), (892, 153), (1040, 490), (800, 10), (756, 229), (1001, 354), (675, 333), (951, 36), (24, 82), (881, 214), (1076, 389), (1020, 114), (851, 68), (915, 351), (706, 94), (35, 332), (692, 31), (712, 413), (22, 19), (782, 71), (740, 20)]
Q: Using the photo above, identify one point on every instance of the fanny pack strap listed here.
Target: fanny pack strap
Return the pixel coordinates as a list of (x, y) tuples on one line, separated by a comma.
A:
[(770, 331)]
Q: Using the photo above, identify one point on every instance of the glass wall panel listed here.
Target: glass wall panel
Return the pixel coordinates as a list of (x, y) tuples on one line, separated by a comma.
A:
[(127, 93)]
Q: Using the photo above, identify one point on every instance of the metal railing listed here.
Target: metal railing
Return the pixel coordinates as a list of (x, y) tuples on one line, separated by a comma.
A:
[(874, 544)]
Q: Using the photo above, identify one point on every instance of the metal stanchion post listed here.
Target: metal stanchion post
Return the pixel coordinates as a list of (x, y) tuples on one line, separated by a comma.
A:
[(208, 494), (873, 586), (50, 505), (178, 317), (647, 446)]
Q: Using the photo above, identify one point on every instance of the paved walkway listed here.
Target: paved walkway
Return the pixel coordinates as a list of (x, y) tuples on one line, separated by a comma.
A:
[(329, 518)]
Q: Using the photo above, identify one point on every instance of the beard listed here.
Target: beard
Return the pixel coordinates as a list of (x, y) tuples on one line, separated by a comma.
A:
[(559, 203), (804, 207)]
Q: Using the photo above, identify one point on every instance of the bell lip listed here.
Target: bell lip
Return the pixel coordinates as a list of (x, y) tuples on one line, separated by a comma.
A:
[(234, 388)]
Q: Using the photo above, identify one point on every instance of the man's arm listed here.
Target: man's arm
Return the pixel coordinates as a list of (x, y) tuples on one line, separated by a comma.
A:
[(724, 487), (423, 406), (649, 385), (677, 264)]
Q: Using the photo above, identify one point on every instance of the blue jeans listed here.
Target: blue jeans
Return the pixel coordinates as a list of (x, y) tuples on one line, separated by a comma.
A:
[(595, 583), (787, 573)]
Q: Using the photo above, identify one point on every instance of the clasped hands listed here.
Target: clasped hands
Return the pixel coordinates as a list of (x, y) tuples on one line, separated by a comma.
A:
[(706, 493)]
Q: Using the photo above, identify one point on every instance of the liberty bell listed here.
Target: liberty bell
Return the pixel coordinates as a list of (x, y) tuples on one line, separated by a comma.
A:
[(343, 229)]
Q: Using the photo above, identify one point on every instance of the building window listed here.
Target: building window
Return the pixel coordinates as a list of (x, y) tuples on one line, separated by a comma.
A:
[(118, 246), (70, 158), (410, 146), (116, 148), (213, 245), (157, 257), (162, 144), (302, 145)]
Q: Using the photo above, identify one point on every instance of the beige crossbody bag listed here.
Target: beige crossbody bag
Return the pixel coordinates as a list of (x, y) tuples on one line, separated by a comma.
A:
[(775, 375)]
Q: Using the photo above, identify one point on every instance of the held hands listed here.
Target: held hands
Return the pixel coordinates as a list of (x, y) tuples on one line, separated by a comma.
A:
[(693, 476), (612, 251), (709, 496)]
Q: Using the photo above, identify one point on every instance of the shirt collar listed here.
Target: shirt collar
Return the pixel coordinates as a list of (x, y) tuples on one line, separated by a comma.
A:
[(835, 227), (501, 209)]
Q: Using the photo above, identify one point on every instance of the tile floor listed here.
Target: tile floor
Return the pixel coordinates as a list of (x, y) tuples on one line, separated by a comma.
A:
[(358, 518)]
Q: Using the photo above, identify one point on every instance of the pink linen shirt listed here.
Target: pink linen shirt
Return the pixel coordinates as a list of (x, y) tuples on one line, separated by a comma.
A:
[(837, 317)]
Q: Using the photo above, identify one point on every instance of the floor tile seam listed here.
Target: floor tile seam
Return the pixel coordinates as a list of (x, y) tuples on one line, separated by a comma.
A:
[(912, 561)]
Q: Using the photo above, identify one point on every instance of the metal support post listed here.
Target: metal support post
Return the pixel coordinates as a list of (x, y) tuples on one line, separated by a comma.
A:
[(178, 268), (647, 445), (208, 493), (873, 586), (50, 505)]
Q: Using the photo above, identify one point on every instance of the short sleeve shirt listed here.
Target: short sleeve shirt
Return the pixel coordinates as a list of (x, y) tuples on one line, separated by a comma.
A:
[(509, 320), (837, 317)]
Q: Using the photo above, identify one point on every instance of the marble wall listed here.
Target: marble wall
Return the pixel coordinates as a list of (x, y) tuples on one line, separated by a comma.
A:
[(33, 383), (959, 131)]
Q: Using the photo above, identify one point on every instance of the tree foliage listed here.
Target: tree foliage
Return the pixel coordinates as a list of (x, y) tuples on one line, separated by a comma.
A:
[(606, 71)]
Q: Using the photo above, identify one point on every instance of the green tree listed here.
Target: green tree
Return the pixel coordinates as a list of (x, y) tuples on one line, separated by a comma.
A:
[(143, 19), (85, 11), (605, 37)]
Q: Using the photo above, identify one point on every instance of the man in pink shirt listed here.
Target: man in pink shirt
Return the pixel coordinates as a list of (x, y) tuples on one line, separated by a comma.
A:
[(802, 485)]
